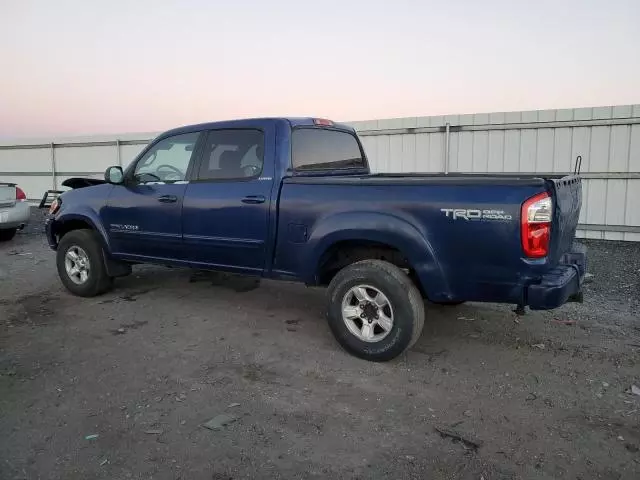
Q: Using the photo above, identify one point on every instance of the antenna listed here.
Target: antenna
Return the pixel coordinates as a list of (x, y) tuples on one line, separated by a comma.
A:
[(578, 165)]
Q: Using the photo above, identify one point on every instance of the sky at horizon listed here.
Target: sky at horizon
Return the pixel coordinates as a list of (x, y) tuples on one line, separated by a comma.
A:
[(72, 67)]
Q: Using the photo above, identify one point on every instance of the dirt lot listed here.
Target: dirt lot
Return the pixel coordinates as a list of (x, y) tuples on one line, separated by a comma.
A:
[(119, 386)]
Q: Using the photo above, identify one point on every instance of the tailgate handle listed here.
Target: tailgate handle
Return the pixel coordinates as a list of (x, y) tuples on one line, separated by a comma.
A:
[(254, 199), (168, 199)]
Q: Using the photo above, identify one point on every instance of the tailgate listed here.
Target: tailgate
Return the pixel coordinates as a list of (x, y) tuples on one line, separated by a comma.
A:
[(7, 194), (567, 192)]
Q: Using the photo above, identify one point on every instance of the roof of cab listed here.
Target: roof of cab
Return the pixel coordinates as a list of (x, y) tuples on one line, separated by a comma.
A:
[(252, 123)]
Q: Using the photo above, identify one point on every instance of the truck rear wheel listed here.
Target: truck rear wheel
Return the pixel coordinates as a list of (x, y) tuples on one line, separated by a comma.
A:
[(375, 311), (80, 263)]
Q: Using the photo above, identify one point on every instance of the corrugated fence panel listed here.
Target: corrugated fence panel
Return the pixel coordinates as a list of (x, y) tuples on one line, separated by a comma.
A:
[(632, 204), (436, 153), (617, 189), (464, 161), (27, 160), (607, 139), (610, 151), (495, 162), (33, 186), (614, 205), (528, 144), (74, 159), (480, 152), (409, 153), (383, 153), (422, 153), (563, 150), (396, 161), (544, 150)]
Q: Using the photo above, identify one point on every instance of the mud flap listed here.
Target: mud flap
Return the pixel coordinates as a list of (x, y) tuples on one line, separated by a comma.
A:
[(116, 268)]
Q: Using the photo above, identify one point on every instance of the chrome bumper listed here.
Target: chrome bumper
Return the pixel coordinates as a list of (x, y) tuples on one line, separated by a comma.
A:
[(16, 216)]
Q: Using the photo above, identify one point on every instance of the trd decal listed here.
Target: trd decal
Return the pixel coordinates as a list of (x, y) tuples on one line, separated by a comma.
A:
[(471, 214)]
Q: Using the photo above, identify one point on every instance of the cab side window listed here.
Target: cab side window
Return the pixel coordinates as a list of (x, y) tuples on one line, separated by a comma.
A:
[(232, 154), (168, 160)]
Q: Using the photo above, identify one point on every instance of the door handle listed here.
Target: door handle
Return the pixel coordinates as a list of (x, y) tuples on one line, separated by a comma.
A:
[(254, 199), (168, 199)]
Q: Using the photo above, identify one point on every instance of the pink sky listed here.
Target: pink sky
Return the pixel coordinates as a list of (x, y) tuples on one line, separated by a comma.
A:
[(75, 67)]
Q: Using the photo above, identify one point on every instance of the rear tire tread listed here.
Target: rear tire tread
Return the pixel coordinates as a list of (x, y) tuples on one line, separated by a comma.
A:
[(386, 274)]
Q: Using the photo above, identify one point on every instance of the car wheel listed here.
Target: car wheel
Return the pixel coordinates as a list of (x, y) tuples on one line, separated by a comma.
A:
[(80, 264), (7, 234), (375, 311)]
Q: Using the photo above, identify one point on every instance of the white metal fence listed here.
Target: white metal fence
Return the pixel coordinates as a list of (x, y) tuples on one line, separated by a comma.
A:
[(545, 141)]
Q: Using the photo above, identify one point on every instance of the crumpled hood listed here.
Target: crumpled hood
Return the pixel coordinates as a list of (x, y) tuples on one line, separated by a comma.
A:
[(81, 182)]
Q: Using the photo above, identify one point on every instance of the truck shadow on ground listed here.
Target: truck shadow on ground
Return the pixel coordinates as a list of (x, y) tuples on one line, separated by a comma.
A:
[(565, 332)]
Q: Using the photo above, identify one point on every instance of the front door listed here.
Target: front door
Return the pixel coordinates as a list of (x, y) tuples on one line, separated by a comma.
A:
[(225, 214), (143, 216)]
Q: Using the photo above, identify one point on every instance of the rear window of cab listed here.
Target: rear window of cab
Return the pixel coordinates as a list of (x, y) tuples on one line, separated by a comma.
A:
[(324, 149)]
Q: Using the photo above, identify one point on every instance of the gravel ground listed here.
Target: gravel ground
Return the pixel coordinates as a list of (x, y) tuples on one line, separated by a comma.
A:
[(119, 386)]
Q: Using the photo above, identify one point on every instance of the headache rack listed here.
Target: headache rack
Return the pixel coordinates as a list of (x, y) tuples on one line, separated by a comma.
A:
[(48, 198)]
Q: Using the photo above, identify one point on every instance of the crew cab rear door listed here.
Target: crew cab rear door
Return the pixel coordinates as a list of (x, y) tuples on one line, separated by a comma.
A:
[(225, 214), (143, 215)]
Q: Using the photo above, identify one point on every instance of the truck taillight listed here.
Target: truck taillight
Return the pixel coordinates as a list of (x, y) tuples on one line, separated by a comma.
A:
[(535, 218), (20, 195), (55, 206)]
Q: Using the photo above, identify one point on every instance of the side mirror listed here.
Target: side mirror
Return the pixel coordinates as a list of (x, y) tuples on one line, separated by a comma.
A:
[(114, 175)]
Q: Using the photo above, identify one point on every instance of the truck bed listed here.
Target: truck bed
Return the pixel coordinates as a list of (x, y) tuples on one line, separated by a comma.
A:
[(470, 259)]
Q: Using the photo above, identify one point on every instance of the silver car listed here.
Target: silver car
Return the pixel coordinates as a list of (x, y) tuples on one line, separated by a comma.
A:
[(14, 210)]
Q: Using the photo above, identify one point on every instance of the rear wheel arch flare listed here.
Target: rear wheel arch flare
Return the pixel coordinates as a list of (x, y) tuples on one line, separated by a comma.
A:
[(390, 231)]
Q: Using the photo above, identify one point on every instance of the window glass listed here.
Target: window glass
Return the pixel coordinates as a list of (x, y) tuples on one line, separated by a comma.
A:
[(322, 149), (168, 160), (232, 154)]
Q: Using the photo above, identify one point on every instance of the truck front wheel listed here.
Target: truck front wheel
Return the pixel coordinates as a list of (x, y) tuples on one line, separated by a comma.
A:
[(81, 264), (375, 311)]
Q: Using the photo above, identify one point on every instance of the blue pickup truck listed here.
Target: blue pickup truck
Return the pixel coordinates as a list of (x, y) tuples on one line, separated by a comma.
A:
[(293, 199)]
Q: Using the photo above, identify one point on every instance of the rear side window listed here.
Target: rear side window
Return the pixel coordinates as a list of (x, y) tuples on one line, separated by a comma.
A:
[(323, 149), (232, 154)]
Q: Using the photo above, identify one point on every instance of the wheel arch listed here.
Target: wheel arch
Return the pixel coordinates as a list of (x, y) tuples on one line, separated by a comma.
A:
[(74, 221), (384, 234), (69, 223)]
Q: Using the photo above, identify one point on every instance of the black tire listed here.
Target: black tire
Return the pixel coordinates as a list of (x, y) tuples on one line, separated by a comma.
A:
[(7, 234), (98, 281), (403, 296)]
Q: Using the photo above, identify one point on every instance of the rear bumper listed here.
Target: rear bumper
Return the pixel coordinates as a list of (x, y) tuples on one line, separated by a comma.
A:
[(562, 284), (15, 216)]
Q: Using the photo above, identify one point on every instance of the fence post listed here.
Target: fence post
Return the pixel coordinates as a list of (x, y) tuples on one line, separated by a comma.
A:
[(54, 181), (118, 152), (447, 136)]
